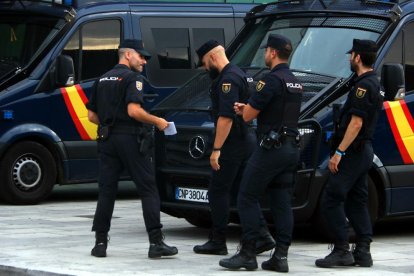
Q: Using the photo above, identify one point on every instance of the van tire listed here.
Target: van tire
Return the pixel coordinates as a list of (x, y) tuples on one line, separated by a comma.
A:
[(27, 173), (322, 228)]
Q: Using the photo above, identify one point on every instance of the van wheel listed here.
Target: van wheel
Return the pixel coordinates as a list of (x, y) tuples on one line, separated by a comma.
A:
[(27, 173), (201, 220), (321, 226)]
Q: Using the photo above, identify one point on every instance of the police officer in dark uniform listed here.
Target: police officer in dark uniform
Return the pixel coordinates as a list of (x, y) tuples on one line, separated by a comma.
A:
[(346, 193), (272, 166), (116, 106), (234, 142)]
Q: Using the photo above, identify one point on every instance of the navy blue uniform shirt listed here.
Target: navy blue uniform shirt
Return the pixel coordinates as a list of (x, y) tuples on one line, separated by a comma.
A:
[(107, 92), (230, 87), (269, 98), (364, 100)]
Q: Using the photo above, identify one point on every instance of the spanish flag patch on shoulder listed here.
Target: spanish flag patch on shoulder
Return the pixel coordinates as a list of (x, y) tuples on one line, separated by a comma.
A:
[(360, 92)]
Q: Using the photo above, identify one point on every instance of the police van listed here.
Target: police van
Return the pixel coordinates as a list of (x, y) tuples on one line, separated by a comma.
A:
[(321, 32), (51, 52)]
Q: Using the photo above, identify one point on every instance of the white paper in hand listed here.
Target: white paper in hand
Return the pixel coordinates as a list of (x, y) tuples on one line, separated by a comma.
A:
[(170, 129)]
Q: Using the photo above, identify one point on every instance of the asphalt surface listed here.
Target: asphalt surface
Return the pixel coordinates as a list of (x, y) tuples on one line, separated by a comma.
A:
[(55, 238)]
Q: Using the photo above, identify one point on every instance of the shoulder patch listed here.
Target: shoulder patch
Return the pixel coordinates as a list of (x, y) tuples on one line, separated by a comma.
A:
[(138, 84), (226, 87), (260, 85), (360, 92)]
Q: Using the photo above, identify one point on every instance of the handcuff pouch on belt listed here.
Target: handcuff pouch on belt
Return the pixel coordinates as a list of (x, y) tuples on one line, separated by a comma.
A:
[(103, 133)]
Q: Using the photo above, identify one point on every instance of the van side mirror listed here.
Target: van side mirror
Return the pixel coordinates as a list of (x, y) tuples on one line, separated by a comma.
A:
[(65, 72), (393, 81)]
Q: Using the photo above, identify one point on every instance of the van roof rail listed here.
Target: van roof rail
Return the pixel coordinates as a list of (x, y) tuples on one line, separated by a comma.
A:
[(374, 7)]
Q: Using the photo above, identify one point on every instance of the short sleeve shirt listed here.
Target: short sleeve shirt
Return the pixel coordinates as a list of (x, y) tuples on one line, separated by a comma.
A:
[(365, 101), (267, 97), (108, 90), (226, 90)]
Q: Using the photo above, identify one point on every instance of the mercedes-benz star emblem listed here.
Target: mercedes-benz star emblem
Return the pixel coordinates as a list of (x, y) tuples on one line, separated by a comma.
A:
[(197, 147)]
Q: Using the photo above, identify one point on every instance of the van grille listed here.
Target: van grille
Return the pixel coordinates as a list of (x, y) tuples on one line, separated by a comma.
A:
[(177, 147)]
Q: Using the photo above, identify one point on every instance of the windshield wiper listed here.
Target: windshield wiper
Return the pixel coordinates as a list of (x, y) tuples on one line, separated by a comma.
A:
[(8, 68)]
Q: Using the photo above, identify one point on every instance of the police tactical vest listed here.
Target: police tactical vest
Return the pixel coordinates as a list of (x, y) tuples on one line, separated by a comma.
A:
[(286, 111)]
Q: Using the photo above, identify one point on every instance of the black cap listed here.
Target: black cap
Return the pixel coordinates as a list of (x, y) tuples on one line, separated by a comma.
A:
[(135, 44), (205, 48), (363, 46), (278, 42)]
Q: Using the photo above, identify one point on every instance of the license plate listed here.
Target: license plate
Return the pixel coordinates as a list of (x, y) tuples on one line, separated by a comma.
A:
[(189, 194)]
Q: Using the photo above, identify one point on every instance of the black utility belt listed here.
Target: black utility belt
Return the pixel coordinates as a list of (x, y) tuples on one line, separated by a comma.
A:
[(274, 139), (126, 129)]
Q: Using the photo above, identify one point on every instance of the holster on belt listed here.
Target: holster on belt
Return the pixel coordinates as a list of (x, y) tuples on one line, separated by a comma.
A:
[(103, 133), (145, 140)]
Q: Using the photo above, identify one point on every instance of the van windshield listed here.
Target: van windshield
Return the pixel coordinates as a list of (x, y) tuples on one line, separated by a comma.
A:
[(319, 44), (22, 38)]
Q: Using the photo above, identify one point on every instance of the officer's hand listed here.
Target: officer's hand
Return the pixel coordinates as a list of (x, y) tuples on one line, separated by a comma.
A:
[(334, 162), (161, 124), (214, 160), (238, 108)]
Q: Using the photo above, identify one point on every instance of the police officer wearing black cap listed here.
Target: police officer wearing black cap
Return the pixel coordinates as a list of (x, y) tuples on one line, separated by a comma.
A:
[(116, 107), (233, 144), (346, 193), (272, 166)]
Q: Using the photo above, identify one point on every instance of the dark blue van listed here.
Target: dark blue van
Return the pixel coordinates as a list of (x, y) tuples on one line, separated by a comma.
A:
[(321, 32), (51, 52)]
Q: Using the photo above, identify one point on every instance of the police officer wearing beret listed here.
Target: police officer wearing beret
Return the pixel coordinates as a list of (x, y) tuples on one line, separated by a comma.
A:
[(116, 107), (233, 144), (272, 166), (346, 193)]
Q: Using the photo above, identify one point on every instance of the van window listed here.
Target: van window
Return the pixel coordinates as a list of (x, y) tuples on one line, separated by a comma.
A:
[(94, 48), (175, 40), (409, 56), (173, 45), (405, 56), (173, 48), (22, 39)]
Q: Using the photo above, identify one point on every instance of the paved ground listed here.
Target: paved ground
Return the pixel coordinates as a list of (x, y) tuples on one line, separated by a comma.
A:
[(54, 238)]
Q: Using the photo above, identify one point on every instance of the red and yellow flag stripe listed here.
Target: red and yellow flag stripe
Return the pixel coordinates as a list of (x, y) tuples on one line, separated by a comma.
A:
[(75, 100), (402, 126)]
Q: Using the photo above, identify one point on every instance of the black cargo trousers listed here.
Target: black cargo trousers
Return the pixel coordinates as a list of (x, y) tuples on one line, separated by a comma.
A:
[(233, 158), (272, 172), (119, 152), (346, 195)]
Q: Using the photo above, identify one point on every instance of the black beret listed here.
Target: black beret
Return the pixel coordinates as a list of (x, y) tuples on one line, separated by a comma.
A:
[(363, 46), (278, 42), (205, 48), (135, 44)]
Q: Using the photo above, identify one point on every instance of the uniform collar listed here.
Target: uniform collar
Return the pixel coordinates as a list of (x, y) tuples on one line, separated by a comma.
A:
[(121, 66), (225, 68), (280, 66), (366, 74)]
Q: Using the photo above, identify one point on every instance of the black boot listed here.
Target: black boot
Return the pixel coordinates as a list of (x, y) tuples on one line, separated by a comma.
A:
[(157, 247), (246, 258), (101, 243), (265, 242), (340, 256), (216, 245), (278, 262), (362, 254)]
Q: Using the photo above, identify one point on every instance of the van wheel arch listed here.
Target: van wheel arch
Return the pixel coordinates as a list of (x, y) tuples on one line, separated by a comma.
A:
[(28, 173), (321, 227)]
